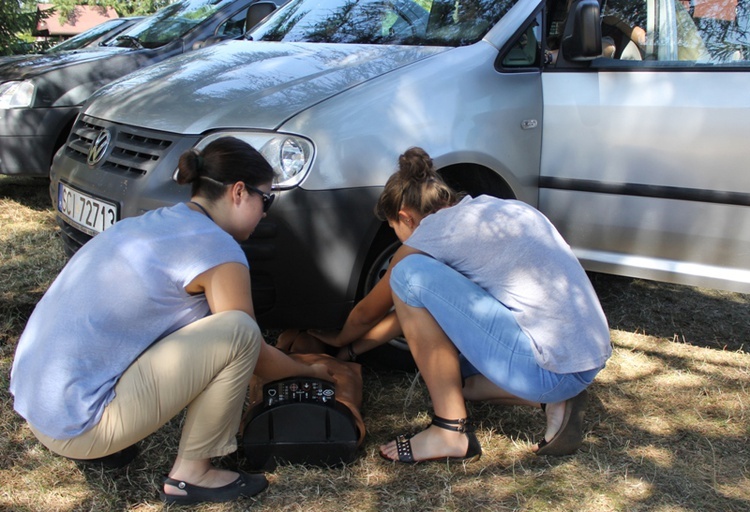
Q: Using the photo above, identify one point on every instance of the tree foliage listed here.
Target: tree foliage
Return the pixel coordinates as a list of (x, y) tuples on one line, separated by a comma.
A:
[(16, 19), (122, 7), (19, 17)]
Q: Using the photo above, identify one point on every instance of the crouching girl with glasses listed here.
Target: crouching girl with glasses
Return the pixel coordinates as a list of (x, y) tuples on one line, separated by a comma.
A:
[(152, 316)]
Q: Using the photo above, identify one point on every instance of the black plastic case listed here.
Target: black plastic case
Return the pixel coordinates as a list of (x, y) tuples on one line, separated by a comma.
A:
[(299, 422)]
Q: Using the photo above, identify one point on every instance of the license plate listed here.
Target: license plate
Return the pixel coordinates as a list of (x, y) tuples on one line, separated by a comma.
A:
[(89, 213)]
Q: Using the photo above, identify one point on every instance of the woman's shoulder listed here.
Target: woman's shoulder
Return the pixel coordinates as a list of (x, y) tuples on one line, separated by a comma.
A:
[(489, 203), (484, 204)]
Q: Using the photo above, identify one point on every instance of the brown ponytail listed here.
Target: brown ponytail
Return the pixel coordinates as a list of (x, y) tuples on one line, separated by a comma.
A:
[(415, 185), (224, 161)]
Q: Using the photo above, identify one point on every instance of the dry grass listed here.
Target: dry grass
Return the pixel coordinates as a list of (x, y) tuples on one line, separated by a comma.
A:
[(667, 429)]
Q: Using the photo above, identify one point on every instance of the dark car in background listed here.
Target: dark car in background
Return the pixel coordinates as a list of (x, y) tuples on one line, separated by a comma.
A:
[(94, 36), (41, 95)]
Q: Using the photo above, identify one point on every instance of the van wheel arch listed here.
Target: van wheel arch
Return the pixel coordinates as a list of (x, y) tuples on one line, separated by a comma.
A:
[(475, 180)]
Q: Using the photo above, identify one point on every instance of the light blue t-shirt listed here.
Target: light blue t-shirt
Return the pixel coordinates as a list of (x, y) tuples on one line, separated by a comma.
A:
[(121, 292), (513, 251)]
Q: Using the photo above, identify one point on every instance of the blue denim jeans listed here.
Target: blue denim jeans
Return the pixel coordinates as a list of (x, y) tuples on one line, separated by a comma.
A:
[(483, 330)]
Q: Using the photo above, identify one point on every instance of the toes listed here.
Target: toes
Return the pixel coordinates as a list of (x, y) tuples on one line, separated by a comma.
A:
[(389, 450)]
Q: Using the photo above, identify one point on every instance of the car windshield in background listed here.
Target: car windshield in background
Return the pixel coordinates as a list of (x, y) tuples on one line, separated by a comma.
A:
[(393, 22), (168, 24), (86, 38)]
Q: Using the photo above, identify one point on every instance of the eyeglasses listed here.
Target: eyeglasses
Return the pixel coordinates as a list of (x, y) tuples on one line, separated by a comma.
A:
[(267, 198)]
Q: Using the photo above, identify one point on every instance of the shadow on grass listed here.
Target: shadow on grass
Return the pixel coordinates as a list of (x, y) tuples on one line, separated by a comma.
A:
[(645, 449), (30, 192), (685, 314)]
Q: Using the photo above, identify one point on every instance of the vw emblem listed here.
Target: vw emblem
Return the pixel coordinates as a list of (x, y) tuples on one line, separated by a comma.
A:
[(99, 147)]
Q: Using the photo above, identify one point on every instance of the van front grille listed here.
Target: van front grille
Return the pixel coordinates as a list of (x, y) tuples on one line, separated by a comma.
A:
[(134, 152)]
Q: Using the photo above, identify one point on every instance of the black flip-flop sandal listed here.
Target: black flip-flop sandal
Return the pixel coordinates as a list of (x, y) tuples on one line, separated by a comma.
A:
[(245, 486), (570, 436), (473, 451)]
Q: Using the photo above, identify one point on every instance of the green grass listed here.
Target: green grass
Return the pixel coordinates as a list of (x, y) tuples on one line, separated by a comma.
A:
[(667, 427)]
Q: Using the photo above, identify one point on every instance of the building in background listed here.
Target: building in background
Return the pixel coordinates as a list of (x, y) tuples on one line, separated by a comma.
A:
[(83, 17)]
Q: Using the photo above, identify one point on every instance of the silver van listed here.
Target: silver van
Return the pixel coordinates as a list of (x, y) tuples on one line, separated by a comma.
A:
[(625, 123)]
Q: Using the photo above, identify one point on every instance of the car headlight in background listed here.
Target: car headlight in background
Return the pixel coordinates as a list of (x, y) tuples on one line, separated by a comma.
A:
[(16, 94), (290, 155)]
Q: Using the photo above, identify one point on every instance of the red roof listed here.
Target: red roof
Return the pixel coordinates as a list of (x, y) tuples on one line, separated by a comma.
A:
[(82, 18)]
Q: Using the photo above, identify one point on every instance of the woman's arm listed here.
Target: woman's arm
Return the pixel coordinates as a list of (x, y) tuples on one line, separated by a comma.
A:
[(369, 319), (384, 331), (227, 288)]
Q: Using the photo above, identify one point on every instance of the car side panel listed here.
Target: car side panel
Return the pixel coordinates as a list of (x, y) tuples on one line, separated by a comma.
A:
[(647, 163)]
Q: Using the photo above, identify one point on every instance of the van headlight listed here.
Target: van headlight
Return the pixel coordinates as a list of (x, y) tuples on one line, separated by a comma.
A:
[(290, 155), (16, 94)]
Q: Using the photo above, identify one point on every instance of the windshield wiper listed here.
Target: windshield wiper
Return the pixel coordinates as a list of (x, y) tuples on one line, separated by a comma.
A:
[(133, 41)]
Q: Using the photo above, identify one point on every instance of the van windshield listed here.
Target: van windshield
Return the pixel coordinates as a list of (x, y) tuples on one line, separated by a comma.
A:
[(393, 22), (168, 24)]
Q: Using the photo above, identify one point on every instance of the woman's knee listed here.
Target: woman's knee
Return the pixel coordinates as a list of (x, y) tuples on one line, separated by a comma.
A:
[(240, 330), (413, 273), (412, 265)]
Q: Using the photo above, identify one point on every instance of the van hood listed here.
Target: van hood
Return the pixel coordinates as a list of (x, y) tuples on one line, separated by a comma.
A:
[(244, 84), (21, 67)]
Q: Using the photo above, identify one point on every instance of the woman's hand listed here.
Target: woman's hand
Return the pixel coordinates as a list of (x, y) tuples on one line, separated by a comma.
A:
[(273, 364), (321, 371)]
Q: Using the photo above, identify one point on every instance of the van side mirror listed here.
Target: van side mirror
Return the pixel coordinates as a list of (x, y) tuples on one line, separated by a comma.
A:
[(582, 37), (257, 12)]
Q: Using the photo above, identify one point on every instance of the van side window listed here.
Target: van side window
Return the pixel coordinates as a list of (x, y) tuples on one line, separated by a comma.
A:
[(526, 50), (680, 33)]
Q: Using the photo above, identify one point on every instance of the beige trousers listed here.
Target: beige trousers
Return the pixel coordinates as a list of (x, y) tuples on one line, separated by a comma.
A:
[(205, 366)]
